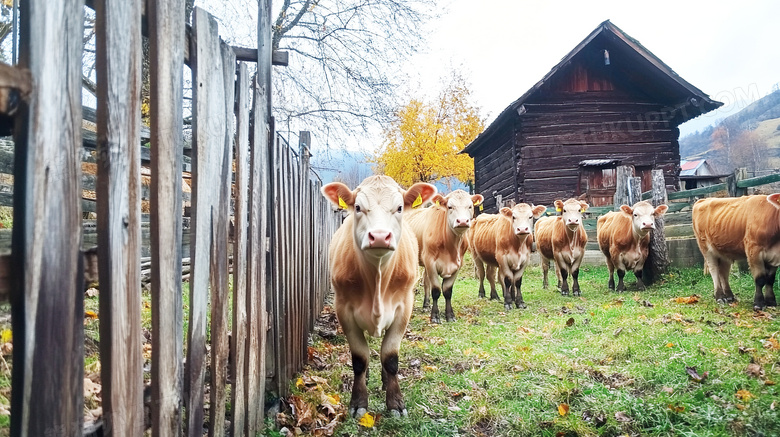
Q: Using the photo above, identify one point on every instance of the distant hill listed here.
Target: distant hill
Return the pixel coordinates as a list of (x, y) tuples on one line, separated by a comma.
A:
[(750, 138)]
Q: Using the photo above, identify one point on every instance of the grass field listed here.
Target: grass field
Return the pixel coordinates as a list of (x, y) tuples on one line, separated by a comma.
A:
[(658, 362)]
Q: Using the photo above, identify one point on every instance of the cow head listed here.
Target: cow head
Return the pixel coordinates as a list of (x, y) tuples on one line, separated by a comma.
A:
[(522, 217), (377, 205), (460, 209), (571, 211), (643, 216), (774, 200)]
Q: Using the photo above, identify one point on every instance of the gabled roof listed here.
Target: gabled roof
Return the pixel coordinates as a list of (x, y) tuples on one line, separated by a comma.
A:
[(683, 94)]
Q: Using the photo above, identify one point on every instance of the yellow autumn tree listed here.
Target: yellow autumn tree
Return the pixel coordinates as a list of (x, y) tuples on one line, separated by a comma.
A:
[(423, 141)]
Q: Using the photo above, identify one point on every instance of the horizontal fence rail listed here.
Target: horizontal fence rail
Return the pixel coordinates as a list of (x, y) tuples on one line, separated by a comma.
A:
[(256, 213)]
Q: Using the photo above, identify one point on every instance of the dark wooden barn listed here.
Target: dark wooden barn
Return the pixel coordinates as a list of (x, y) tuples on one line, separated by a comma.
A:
[(609, 102)]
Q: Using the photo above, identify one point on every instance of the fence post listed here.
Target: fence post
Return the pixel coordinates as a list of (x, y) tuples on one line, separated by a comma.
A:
[(47, 295), (739, 174), (626, 190), (118, 27), (309, 300), (658, 254)]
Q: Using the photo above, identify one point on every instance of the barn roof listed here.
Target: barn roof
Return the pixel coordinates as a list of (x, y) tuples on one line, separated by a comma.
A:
[(645, 69)]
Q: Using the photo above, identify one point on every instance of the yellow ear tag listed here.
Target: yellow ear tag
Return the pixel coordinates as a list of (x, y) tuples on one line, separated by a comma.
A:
[(582, 210), (480, 207), (417, 202), (557, 209), (437, 203), (477, 203), (342, 203)]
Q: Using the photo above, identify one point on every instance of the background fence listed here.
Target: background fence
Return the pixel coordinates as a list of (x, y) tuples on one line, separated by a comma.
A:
[(281, 227)]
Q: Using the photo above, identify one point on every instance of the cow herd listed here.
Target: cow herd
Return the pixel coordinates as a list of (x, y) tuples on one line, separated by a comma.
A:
[(388, 232)]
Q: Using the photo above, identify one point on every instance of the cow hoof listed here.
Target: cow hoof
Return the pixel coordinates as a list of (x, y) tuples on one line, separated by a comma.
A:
[(521, 305), (451, 319), (357, 414), (481, 295), (564, 293), (397, 414), (494, 297), (721, 301), (757, 307), (435, 320), (771, 303), (577, 293), (508, 306)]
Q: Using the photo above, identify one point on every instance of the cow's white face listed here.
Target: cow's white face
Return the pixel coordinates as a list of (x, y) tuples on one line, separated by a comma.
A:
[(460, 209), (522, 217), (643, 216), (377, 206), (571, 211)]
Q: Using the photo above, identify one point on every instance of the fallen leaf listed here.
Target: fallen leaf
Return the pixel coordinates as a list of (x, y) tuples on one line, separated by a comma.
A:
[(668, 390), (621, 417), (430, 368), (676, 408), (367, 420), (694, 375), (147, 351), (647, 303), (454, 408), (740, 407), (563, 409), (687, 300), (570, 322), (744, 395), (617, 332), (7, 348), (769, 382), (745, 350), (670, 344), (90, 314), (771, 343), (91, 292), (754, 370), (91, 388)]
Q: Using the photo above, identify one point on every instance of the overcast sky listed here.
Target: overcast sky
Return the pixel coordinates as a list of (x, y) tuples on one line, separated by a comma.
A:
[(728, 49)]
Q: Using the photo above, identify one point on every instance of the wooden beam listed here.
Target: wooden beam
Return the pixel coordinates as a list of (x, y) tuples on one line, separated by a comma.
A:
[(118, 30), (47, 304)]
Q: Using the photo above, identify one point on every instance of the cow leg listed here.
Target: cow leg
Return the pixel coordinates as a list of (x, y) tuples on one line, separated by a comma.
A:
[(449, 314), (723, 281), (639, 284), (575, 288), (564, 282), (519, 303), (427, 288), (611, 267), (509, 291), (481, 275), (435, 293), (621, 287), (391, 343), (758, 298), (358, 405), (545, 268), (491, 275), (769, 288), (560, 276)]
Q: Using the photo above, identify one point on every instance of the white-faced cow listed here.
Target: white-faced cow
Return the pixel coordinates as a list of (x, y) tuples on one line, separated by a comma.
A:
[(624, 238), (730, 229), (373, 267), (441, 231), (562, 239), (503, 241)]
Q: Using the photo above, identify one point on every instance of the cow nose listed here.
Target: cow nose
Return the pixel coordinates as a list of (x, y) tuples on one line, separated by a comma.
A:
[(462, 222), (524, 230), (379, 239), (573, 221)]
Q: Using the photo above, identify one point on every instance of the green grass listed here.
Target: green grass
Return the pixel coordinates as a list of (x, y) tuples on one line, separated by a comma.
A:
[(496, 372)]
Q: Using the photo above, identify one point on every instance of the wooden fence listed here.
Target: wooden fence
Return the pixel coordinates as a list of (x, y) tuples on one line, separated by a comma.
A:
[(282, 227)]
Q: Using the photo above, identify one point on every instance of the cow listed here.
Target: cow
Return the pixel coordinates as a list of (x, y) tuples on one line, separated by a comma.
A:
[(730, 229), (624, 238), (503, 241), (440, 231), (373, 268), (562, 239)]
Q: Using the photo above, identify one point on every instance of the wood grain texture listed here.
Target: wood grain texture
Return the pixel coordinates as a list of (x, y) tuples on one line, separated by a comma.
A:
[(118, 31), (220, 289), (47, 298), (166, 40), (240, 234), (209, 126)]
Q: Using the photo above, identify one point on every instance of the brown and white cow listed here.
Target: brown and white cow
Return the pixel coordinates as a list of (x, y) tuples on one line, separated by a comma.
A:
[(503, 241), (562, 239), (730, 229), (441, 231), (373, 267), (624, 238)]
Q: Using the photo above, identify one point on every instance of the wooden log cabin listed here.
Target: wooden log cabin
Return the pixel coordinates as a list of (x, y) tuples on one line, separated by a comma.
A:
[(609, 102)]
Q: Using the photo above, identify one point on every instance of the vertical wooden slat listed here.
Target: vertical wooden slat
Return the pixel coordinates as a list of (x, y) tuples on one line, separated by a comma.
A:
[(304, 140), (240, 302), (277, 263), (47, 295), (166, 42), (208, 152), (118, 30), (219, 253)]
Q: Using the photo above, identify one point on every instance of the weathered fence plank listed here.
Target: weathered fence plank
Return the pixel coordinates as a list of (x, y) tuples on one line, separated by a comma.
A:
[(760, 180), (166, 42), (47, 299), (118, 31), (240, 303), (658, 254), (686, 194), (623, 193), (219, 252), (209, 127), (304, 282)]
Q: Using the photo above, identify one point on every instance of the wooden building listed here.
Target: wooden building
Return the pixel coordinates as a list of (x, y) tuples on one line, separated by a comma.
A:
[(609, 102)]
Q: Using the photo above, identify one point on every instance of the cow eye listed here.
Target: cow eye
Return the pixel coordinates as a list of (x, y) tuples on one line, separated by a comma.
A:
[(357, 208), (400, 209), (450, 208)]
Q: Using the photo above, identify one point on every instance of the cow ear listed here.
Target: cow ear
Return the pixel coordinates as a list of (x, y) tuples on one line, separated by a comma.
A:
[(477, 199), (339, 194), (626, 209), (661, 209), (439, 200), (538, 211), (418, 194), (506, 212), (584, 206), (558, 205), (774, 199)]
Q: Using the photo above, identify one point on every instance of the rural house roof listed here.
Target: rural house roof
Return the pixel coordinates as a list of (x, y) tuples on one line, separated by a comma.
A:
[(641, 66)]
